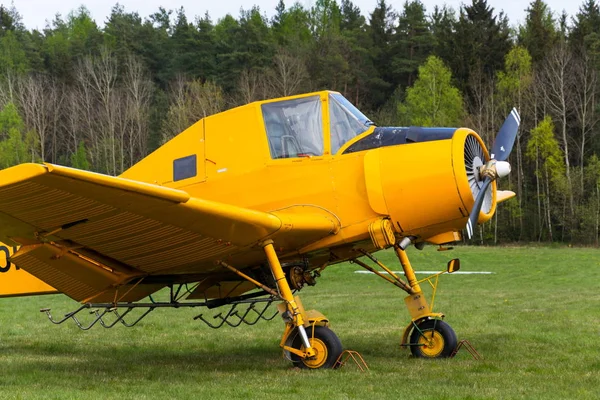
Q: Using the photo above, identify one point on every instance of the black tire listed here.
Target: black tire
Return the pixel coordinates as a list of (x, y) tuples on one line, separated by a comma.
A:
[(325, 342), (432, 338)]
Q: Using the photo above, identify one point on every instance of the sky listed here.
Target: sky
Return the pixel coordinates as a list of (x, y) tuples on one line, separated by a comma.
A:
[(36, 12)]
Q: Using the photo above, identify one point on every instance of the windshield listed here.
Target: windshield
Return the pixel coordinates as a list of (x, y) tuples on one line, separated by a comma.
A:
[(294, 127), (346, 121)]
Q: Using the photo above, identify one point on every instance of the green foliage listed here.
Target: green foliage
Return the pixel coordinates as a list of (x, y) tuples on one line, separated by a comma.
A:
[(592, 172), (381, 32), (16, 44), (539, 34), (412, 42), (84, 35), (79, 159), (589, 211), (442, 21), (516, 78), (586, 22), (544, 145), (480, 43), (12, 56), (124, 33), (255, 42), (17, 145), (291, 27), (371, 56), (192, 48), (325, 18), (432, 100)]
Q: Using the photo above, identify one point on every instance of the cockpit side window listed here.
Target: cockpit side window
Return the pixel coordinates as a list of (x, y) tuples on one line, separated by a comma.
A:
[(294, 127), (346, 121)]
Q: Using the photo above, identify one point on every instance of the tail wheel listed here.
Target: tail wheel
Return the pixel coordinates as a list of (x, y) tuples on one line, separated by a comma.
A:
[(326, 344), (432, 338)]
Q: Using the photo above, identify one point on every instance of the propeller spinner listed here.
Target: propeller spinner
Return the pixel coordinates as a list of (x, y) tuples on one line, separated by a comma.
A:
[(497, 167)]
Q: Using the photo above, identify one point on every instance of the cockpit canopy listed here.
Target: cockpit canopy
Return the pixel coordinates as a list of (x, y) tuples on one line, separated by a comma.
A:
[(295, 127)]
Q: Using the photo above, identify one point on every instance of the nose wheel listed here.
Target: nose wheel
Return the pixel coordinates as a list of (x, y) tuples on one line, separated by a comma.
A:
[(432, 338)]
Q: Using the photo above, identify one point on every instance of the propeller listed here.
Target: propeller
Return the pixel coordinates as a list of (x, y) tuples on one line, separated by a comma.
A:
[(497, 167)]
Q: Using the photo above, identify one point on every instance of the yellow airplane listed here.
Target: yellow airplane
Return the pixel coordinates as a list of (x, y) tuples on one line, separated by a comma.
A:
[(247, 206)]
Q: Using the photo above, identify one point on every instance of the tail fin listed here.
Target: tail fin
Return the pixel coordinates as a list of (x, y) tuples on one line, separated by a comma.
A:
[(17, 282)]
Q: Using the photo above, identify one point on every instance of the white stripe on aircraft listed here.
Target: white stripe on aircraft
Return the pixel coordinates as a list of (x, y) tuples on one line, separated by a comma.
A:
[(432, 272)]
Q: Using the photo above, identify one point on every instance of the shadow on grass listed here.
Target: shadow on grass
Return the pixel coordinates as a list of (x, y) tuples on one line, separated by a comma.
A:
[(140, 362)]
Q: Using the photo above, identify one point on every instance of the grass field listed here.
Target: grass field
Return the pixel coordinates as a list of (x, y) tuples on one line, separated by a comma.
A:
[(536, 321)]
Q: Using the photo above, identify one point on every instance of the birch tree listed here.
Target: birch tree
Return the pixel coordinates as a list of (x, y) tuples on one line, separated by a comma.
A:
[(513, 82), (557, 85)]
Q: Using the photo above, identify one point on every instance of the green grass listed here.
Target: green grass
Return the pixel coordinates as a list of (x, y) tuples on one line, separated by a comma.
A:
[(536, 321)]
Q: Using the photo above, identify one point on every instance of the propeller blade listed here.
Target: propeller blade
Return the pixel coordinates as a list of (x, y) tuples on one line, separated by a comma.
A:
[(507, 134), (474, 216)]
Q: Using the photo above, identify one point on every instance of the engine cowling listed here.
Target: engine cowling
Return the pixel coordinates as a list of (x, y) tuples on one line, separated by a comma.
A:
[(429, 187)]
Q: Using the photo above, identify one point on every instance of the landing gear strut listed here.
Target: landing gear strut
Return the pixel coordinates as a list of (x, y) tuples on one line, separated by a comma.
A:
[(307, 340), (426, 335)]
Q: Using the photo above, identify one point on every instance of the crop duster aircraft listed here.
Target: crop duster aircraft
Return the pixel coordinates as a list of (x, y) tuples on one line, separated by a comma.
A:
[(246, 207)]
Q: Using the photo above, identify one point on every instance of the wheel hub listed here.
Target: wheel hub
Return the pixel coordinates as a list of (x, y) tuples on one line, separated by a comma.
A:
[(320, 356), (432, 343)]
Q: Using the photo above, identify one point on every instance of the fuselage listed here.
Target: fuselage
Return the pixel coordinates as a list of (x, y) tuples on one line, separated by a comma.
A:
[(415, 177)]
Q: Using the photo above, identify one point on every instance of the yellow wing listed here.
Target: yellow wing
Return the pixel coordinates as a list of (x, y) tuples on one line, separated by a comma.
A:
[(101, 238)]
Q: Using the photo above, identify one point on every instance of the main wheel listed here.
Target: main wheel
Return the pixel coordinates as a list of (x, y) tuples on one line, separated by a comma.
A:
[(326, 344), (432, 338)]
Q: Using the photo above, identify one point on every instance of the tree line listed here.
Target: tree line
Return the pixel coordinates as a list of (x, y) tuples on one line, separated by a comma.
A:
[(102, 97)]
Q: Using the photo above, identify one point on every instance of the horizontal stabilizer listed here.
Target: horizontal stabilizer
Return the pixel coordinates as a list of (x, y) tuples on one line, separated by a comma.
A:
[(503, 195), (17, 282)]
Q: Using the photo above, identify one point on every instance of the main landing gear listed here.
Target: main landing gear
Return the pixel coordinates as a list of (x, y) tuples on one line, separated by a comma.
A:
[(426, 335), (309, 343), (307, 340)]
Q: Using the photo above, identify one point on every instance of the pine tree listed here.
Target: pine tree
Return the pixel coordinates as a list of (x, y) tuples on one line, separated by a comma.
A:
[(539, 34), (442, 21), (362, 71), (585, 23), (329, 64), (412, 44), (480, 44), (192, 52), (291, 28), (381, 29)]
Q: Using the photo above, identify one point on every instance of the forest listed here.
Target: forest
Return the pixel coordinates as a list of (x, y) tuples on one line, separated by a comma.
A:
[(101, 95)]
